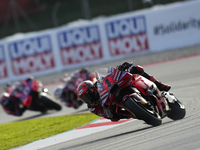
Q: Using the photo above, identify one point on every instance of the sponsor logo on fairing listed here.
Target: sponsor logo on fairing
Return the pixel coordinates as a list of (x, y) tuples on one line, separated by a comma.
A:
[(127, 36), (3, 64), (118, 75), (79, 45), (104, 95), (31, 55)]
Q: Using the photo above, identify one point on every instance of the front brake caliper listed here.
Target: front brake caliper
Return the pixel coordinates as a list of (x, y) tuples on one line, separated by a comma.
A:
[(169, 96)]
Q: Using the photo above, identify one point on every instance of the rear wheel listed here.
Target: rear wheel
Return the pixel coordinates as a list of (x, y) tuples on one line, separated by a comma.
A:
[(49, 102), (148, 115)]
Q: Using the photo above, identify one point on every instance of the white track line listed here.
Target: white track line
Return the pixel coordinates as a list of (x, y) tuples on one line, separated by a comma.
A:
[(72, 134)]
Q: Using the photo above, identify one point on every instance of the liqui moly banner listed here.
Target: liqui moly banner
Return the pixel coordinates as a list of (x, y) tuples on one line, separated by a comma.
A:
[(97, 41), (80, 45), (127, 35), (31, 55), (3, 64)]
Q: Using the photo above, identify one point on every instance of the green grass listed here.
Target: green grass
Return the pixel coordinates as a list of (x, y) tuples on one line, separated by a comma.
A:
[(23, 132)]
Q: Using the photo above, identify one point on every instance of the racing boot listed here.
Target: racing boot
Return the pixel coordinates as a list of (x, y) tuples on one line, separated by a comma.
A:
[(161, 86), (139, 70)]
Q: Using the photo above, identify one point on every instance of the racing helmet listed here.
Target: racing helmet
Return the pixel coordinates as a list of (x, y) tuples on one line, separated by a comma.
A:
[(58, 92), (85, 92), (18, 86), (4, 99), (84, 70)]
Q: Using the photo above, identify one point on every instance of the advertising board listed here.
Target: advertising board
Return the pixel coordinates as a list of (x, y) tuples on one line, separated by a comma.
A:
[(3, 64), (31, 55), (127, 35), (80, 45)]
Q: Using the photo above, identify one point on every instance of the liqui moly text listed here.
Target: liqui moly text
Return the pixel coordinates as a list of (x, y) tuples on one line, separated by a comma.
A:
[(80, 45), (127, 36), (31, 55)]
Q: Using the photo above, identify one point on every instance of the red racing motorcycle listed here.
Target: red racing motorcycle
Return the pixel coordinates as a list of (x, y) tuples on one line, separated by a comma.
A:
[(137, 95)]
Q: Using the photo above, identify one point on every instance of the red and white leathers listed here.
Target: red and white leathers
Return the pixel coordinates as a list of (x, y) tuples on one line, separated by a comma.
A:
[(110, 113), (99, 110)]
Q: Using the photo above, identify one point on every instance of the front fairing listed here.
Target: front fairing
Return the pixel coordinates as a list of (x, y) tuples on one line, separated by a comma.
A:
[(144, 85), (106, 77), (104, 81)]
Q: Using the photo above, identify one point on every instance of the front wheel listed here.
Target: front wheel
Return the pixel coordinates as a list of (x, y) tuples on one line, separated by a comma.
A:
[(142, 113), (177, 110)]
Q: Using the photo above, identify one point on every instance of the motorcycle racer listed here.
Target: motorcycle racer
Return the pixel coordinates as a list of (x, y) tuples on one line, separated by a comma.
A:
[(10, 103), (67, 93), (15, 98), (26, 91), (87, 92)]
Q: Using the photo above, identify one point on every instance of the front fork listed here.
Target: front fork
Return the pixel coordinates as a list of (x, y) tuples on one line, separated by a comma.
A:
[(162, 103)]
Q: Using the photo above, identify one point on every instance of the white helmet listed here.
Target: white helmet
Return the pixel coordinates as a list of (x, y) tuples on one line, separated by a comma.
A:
[(58, 92)]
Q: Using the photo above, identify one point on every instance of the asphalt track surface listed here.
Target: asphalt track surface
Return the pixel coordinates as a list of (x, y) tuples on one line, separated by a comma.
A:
[(183, 74)]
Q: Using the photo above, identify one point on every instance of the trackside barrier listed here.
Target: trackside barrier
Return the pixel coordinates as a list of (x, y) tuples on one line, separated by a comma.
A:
[(101, 40)]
